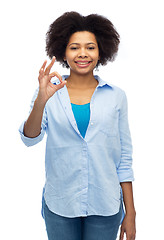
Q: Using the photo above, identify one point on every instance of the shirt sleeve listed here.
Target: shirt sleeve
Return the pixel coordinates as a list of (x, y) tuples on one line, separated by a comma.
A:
[(32, 141), (124, 170)]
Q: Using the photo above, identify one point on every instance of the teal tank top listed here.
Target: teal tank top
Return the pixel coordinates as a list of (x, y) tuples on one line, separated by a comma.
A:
[(82, 116)]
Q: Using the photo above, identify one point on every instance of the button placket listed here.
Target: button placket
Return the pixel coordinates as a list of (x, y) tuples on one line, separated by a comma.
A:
[(84, 177), (91, 122)]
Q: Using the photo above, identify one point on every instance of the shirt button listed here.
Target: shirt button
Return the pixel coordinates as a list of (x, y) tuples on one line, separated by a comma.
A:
[(91, 123)]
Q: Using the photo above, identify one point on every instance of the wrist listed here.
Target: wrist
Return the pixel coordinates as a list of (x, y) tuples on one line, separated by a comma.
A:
[(39, 103), (131, 213)]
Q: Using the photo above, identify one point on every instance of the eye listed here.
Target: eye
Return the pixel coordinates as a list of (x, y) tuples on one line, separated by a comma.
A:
[(91, 48), (73, 48)]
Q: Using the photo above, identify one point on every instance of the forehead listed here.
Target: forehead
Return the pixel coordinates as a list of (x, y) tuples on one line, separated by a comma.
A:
[(82, 37)]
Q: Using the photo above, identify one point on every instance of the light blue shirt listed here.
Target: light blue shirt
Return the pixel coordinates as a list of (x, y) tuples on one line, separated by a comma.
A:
[(83, 175)]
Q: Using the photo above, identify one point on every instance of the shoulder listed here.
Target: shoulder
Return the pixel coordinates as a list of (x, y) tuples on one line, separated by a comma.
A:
[(106, 83)]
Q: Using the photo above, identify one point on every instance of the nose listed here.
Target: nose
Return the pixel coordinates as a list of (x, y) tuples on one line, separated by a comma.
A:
[(82, 53)]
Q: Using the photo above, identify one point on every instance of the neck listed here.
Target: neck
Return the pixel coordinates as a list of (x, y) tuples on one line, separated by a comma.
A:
[(81, 81)]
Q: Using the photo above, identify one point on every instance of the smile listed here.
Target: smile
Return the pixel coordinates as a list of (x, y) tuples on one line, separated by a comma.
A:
[(83, 63)]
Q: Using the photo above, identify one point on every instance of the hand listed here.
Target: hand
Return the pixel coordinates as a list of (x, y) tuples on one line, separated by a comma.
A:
[(128, 227), (46, 87)]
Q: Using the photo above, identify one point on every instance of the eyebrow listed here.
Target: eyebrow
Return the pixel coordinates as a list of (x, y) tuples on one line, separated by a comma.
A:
[(79, 43)]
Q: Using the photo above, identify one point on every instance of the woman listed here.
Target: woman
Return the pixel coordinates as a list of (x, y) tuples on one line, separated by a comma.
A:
[(88, 151)]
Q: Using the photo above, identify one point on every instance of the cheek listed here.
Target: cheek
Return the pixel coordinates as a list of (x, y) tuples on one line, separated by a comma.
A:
[(70, 57), (70, 61), (95, 56)]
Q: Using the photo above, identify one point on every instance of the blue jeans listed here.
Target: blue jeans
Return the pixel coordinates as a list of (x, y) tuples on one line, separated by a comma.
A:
[(81, 228)]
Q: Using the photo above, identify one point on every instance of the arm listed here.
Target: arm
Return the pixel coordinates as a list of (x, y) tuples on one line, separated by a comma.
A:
[(128, 225), (125, 172), (127, 190), (32, 127)]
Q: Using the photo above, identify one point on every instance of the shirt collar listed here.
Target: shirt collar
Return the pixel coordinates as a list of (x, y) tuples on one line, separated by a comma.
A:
[(101, 82)]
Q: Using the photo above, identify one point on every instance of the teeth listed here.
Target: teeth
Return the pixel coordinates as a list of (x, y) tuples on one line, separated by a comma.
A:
[(82, 63)]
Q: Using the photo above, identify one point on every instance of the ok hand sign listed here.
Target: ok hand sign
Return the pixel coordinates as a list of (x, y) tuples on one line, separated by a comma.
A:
[(46, 87)]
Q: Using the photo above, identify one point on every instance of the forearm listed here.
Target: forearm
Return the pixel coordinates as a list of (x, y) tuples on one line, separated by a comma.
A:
[(32, 127), (128, 198)]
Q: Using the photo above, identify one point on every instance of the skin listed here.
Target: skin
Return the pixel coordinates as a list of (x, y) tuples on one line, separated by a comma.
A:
[(82, 47), (82, 55), (128, 225)]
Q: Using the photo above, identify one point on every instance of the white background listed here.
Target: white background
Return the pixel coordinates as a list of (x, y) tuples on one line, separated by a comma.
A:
[(138, 69)]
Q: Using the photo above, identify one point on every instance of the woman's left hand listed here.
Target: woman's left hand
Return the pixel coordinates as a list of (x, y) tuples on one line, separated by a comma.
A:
[(129, 227)]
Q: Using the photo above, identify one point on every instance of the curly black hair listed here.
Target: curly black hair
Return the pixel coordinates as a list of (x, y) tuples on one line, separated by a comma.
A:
[(63, 27)]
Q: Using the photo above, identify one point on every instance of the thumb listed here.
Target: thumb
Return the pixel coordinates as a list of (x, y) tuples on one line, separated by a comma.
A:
[(60, 85)]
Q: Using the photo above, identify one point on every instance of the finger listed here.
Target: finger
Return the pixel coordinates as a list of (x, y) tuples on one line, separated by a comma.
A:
[(56, 74), (58, 86), (61, 85), (41, 71), (41, 74), (44, 64), (121, 235), (130, 237), (48, 69)]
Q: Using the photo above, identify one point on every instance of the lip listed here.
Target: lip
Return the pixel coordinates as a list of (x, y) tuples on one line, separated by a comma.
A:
[(83, 64)]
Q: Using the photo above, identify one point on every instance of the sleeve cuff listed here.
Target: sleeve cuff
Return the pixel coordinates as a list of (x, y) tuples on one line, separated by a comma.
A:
[(30, 141), (126, 176)]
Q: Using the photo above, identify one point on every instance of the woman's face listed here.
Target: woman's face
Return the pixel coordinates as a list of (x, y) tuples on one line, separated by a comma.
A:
[(82, 53)]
